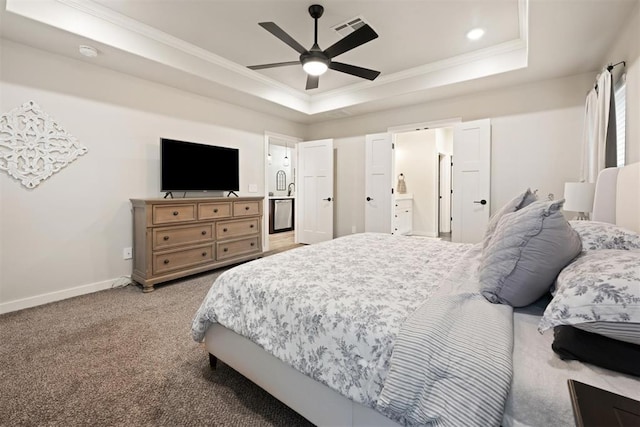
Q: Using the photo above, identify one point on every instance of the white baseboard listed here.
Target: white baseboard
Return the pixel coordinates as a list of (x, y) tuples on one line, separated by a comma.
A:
[(20, 304)]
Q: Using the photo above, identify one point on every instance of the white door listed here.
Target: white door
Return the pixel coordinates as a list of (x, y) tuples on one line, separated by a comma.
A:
[(378, 183), (471, 180), (444, 193), (314, 218)]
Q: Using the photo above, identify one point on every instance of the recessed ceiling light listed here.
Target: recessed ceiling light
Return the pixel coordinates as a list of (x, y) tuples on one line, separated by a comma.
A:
[(475, 34), (88, 51)]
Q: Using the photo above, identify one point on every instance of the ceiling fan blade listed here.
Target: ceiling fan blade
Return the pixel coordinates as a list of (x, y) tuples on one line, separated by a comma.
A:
[(365, 73), (279, 33), (312, 82), (359, 37), (275, 64)]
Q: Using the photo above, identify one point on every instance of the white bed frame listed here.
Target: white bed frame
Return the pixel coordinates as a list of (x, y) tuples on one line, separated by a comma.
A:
[(617, 201)]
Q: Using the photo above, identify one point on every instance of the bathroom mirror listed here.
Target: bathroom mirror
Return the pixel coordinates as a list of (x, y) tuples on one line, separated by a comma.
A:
[(281, 180)]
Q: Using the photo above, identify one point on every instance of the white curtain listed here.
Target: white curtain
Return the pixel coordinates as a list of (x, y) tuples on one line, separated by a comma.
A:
[(596, 128)]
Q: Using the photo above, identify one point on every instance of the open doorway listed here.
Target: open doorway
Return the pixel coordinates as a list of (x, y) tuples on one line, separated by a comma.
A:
[(280, 187), (422, 167)]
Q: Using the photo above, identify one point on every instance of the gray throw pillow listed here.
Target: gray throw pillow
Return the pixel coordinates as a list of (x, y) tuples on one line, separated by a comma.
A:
[(520, 201), (528, 249)]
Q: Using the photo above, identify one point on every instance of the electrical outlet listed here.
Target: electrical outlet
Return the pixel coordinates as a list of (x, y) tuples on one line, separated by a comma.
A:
[(253, 188), (353, 229), (127, 253)]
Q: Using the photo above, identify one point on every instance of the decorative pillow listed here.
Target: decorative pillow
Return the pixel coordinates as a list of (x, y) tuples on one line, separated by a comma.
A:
[(573, 344), (599, 286), (517, 203), (602, 235), (527, 251)]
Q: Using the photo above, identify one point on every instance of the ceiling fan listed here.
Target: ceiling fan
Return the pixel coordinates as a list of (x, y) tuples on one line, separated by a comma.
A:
[(316, 61)]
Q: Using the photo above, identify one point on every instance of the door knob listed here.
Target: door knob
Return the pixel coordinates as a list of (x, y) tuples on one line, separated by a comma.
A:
[(328, 199), (482, 202), (369, 199)]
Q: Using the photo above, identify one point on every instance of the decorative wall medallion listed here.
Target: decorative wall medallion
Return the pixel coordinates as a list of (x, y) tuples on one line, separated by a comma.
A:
[(33, 146)]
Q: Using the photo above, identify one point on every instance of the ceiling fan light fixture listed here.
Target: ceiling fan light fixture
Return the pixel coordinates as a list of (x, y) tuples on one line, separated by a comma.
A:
[(315, 66), (316, 61)]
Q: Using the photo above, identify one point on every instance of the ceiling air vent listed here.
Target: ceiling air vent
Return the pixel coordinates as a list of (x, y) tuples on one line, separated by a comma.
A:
[(349, 26)]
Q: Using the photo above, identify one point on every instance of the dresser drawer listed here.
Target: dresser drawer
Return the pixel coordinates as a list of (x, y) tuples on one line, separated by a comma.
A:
[(231, 229), (246, 208), (404, 204), (165, 238), (168, 214), (237, 248), (176, 260), (214, 210)]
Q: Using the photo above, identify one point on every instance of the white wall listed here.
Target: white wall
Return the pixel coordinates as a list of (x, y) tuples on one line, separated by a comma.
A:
[(417, 158), (66, 236), (627, 48), (536, 134)]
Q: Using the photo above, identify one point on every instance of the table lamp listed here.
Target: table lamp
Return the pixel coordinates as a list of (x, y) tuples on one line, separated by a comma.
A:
[(579, 198)]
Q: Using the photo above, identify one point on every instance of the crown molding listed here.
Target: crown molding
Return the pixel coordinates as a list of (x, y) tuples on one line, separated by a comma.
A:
[(98, 11), (103, 25), (95, 22)]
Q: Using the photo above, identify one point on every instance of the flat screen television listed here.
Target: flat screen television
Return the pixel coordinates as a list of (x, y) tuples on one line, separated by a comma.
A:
[(190, 166)]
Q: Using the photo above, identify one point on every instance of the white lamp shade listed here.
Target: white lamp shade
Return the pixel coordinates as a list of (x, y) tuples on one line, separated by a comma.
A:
[(579, 196)]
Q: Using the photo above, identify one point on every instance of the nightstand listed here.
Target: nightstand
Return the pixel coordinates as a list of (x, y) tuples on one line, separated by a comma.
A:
[(593, 406)]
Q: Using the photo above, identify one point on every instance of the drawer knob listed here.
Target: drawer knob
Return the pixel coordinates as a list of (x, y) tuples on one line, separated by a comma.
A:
[(175, 213), (204, 254), (224, 230), (166, 261), (225, 250), (246, 208), (253, 244), (165, 238), (215, 210), (251, 226), (204, 232)]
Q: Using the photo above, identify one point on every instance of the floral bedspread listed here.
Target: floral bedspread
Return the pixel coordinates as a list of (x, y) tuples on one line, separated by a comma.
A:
[(331, 310)]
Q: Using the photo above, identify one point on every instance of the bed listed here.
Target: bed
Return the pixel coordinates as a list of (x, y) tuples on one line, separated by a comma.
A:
[(423, 343)]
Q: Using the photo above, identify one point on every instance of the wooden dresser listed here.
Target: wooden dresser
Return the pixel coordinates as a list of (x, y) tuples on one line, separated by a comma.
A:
[(173, 238)]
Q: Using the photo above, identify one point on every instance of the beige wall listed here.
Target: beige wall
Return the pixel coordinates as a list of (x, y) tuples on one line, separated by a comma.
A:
[(536, 134), (66, 236), (627, 48)]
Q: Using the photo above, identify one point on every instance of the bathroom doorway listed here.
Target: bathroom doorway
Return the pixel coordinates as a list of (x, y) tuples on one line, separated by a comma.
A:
[(280, 183), (423, 203)]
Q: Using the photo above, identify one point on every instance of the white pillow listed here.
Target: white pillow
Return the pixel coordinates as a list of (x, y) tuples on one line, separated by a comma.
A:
[(602, 235), (599, 286)]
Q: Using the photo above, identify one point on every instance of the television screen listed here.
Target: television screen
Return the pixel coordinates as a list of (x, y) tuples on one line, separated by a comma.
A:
[(188, 166)]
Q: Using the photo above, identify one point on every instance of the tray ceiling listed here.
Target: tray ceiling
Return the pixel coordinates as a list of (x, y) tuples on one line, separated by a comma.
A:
[(204, 46)]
